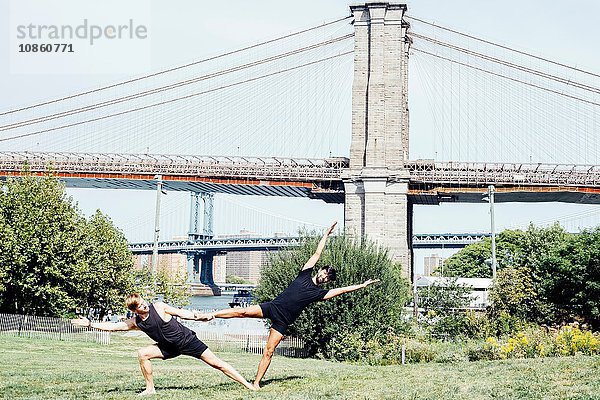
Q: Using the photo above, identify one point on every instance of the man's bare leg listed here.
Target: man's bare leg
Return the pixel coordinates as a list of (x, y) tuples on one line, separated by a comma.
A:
[(215, 362), (145, 354), (272, 342), (247, 312)]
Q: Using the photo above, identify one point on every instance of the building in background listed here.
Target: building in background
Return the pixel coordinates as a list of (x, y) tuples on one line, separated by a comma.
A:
[(480, 288), (247, 265), (433, 263), (220, 268), (173, 264)]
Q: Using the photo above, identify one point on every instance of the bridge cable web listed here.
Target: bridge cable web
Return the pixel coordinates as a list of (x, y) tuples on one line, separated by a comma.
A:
[(154, 104), (175, 68), (228, 106), (487, 106), (410, 17), (163, 88)]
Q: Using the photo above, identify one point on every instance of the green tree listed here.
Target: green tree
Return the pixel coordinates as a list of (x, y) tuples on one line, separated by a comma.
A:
[(469, 262), (106, 277), (42, 253), (162, 286), (364, 314), (474, 261), (51, 258), (540, 243), (514, 293), (7, 252), (568, 280), (444, 303)]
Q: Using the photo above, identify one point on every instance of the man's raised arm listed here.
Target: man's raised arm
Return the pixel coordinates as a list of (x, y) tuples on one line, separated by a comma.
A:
[(315, 257), (106, 326), (337, 291)]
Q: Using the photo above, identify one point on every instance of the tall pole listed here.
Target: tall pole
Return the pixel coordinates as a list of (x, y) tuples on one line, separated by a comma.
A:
[(491, 191), (156, 225)]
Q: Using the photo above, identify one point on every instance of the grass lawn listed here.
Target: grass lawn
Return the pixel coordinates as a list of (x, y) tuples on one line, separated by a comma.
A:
[(40, 369)]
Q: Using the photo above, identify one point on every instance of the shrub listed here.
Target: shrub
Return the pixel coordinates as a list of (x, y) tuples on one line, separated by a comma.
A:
[(341, 327), (487, 350), (571, 340), (445, 302)]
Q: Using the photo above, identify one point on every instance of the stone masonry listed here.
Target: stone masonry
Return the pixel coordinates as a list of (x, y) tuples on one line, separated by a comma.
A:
[(376, 185)]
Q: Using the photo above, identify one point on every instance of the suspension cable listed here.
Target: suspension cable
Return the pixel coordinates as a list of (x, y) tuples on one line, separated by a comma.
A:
[(177, 68), (149, 92), (507, 77), (509, 64), (176, 99), (504, 47)]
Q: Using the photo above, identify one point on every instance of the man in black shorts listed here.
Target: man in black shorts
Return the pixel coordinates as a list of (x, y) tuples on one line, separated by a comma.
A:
[(285, 308), (172, 338)]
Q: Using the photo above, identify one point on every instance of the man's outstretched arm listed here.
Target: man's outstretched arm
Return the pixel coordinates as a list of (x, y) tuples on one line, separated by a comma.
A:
[(178, 312), (106, 326), (337, 291), (315, 257)]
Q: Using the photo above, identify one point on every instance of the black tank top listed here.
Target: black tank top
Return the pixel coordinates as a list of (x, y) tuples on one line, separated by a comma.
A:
[(297, 296), (171, 334)]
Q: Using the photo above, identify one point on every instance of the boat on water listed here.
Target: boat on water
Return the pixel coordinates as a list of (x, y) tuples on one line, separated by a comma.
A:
[(243, 298)]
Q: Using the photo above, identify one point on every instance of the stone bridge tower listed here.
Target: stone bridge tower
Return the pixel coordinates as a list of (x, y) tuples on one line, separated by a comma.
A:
[(376, 185)]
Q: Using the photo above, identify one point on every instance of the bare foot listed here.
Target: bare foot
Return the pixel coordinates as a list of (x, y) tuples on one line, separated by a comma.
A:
[(256, 386), (147, 392), (250, 386)]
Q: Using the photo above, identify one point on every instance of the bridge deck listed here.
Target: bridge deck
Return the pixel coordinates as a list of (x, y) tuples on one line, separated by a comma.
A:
[(430, 182)]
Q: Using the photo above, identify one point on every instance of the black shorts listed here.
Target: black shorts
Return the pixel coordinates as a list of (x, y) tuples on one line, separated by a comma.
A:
[(272, 313), (193, 348)]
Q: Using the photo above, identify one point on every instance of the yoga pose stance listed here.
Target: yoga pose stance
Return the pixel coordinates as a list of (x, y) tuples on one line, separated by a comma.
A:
[(285, 308), (172, 338)]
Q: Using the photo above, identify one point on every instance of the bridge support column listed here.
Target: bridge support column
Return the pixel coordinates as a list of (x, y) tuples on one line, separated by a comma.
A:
[(194, 266), (377, 208), (191, 270), (207, 224), (206, 267), (376, 185)]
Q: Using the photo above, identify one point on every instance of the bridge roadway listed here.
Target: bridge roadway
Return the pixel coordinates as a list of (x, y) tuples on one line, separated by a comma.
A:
[(420, 241), (429, 183)]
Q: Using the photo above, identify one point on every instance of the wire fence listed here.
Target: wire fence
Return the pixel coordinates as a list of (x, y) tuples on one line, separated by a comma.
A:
[(31, 326), (251, 342), (37, 327)]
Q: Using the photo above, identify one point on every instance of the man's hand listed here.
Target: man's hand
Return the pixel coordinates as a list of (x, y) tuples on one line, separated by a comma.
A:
[(370, 282), (198, 316), (315, 257), (331, 228), (83, 322)]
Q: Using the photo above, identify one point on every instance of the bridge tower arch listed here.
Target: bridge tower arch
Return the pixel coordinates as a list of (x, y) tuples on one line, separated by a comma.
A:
[(376, 184), (200, 263)]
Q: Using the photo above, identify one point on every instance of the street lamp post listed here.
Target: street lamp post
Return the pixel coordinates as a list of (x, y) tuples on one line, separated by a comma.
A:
[(491, 191), (156, 224)]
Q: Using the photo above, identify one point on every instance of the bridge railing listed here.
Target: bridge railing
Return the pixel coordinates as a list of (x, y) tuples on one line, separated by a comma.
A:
[(303, 169), (299, 170), (466, 173), (261, 243)]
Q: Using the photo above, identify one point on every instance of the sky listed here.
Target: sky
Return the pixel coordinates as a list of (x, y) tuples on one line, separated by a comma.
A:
[(179, 32)]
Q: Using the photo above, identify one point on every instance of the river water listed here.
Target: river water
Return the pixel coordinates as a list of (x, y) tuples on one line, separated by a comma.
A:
[(232, 325)]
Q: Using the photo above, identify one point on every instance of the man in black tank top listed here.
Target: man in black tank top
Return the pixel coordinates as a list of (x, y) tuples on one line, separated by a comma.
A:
[(172, 338), (285, 308)]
